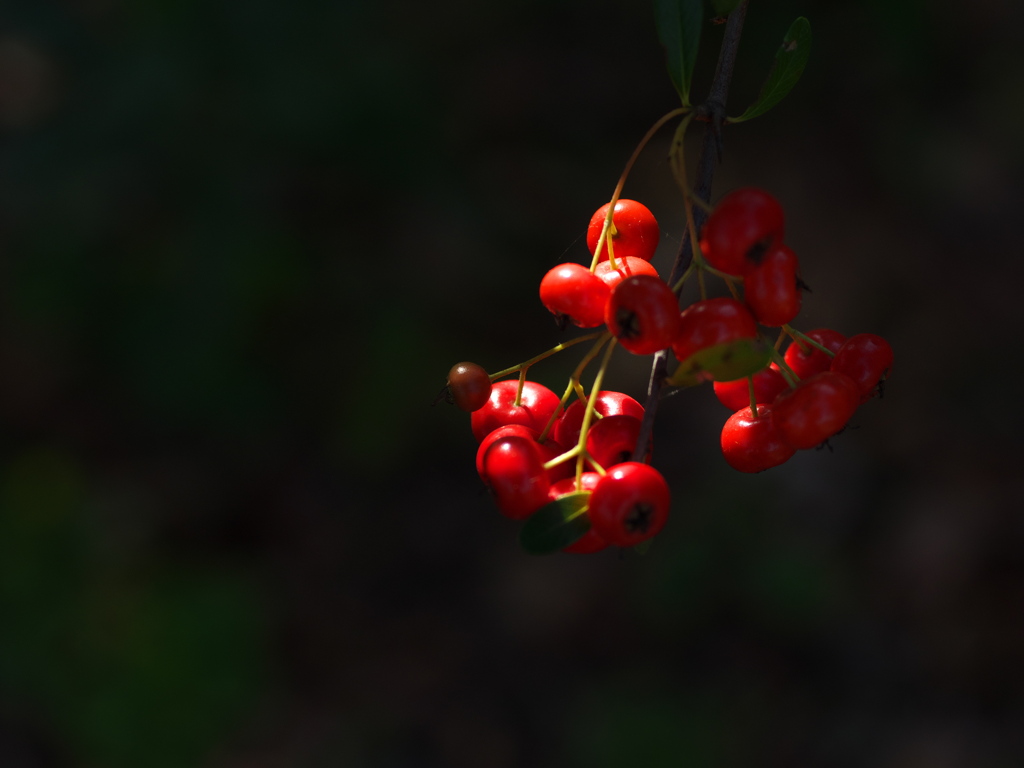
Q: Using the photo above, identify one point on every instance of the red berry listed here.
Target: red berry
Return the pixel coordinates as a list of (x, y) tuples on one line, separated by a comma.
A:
[(514, 472), (590, 542), (754, 445), (492, 437), (634, 230), (535, 407), (470, 386), (865, 358), (815, 409), (611, 441), (643, 314), (624, 268), (711, 322), (743, 225), (573, 290), (629, 504), (813, 360), (771, 289), (567, 428), (736, 394), (549, 449)]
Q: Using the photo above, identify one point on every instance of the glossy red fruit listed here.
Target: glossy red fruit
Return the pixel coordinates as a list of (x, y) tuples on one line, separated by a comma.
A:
[(469, 385), (815, 409), (754, 445), (736, 394), (574, 291), (865, 358), (711, 322), (627, 267), (612, 440), (590, 542), (508, 430), (535, 408), (634, 230), (771, 290), (741, 228), (567, 428), (806, 363), (629, 504), (643, 314), (514, 473)]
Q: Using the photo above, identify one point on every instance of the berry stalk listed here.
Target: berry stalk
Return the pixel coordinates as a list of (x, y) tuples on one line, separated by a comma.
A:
[(557, 348), (605, 231)]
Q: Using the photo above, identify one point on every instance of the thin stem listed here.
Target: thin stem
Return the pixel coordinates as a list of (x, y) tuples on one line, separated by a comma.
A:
[(732, 288), (591, 354), (682, 280), (804, 337), (542, 355), (718, 273), (622, 182), (574, 384), (519, 390), (787, 373), (562, 457), (555, 414), (588, 414), (753, 397)]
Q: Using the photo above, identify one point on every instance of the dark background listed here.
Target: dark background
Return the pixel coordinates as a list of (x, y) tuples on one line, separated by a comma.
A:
[(241, 243)]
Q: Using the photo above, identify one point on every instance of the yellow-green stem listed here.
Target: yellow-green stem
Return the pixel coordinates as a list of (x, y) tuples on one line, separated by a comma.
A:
[(682, 280), (574, 383), (732, 289), (588, 414), (562, 457), (519, 390), (542, 355), (804, 337), (622, 182), (787, 373), (555, 414)]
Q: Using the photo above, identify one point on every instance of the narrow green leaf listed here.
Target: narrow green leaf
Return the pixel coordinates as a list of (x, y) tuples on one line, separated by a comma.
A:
[(789, 64), (722, 362), (556, 525), (679, 26)]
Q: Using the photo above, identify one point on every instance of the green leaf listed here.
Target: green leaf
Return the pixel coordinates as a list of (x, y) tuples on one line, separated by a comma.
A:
[(786, 70), (679, 27), (556, 525), (722, 362)]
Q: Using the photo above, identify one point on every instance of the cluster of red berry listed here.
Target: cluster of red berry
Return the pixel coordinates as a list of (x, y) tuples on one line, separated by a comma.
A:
[(571, 468)]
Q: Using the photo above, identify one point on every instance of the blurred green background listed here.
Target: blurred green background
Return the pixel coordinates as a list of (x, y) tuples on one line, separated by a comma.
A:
[(241, 243)]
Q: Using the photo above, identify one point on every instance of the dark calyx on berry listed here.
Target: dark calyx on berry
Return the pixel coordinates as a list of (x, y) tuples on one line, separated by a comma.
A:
[(639, 518), (629, 323), (756, 252)]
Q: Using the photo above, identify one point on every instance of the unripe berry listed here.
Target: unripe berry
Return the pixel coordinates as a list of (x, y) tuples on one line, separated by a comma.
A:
[(469, 385)]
